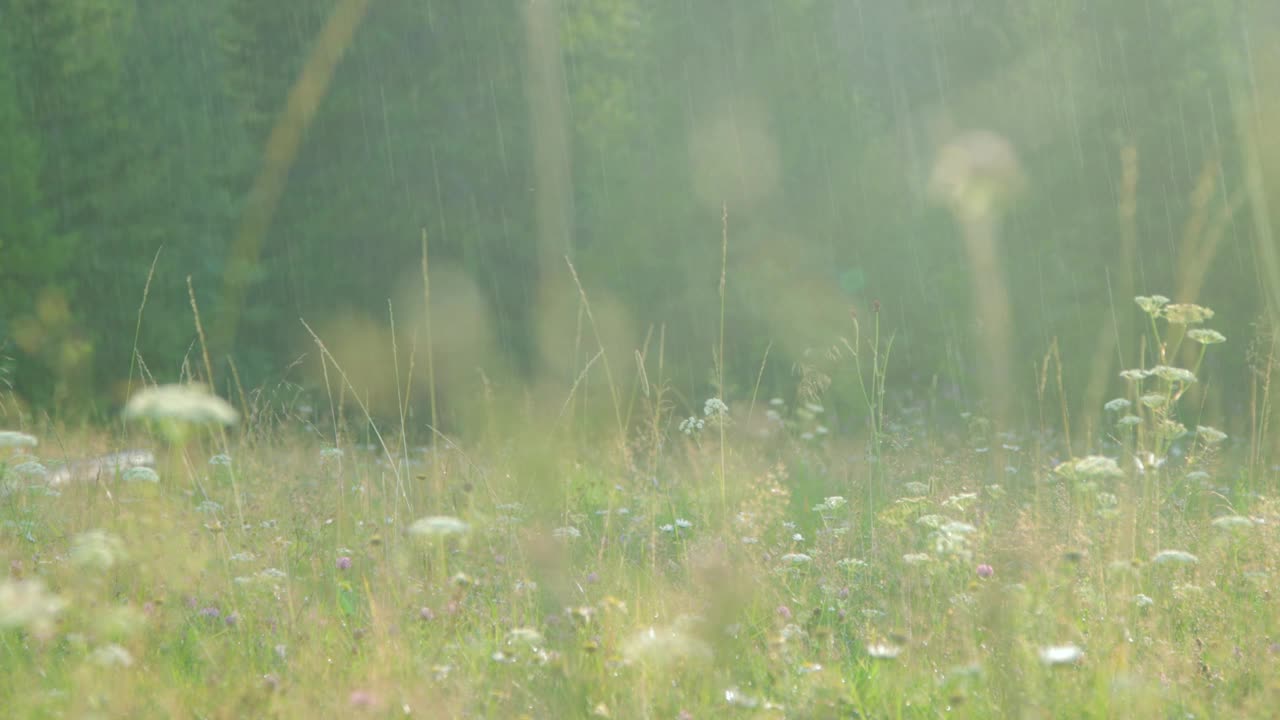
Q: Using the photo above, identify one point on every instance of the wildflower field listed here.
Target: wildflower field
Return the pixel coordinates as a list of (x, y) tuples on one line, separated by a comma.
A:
[(737, 557)]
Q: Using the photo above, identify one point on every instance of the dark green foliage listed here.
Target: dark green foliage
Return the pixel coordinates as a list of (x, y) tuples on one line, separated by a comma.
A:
[(131, 127)]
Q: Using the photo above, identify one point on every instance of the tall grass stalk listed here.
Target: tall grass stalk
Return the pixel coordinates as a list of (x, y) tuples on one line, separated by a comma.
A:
[(431, 361), (720, 358), (873, 400), (222, 432), (137, 329)]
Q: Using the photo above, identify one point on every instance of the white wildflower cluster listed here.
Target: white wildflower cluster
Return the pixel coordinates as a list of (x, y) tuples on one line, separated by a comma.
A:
[(1233, 522), (1185, 314), (1156, 404), (1174, 375), (657, 647), (883, 651), (834, 502), (15, 439), (1205, 336), (30, 469), (439, 527), (692, 424), (266, 578), (97, 550), (1151, 304), (1118, 405), (111, 655), (950, 538), (1168, 429), (1134, 374), (140, 474), (960, 501), (1159, 306), (1154, 401), (27, 604), (1209, 435), (568, 532), (525, 636), (715, 409), (714, 412), (1174, 557), (796, 558), (192, 403), (1067, 654), (1108, 505), (915, 488), (1091, 468)]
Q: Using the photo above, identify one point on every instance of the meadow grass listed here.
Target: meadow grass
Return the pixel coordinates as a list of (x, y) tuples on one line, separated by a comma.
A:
[(658, 566)]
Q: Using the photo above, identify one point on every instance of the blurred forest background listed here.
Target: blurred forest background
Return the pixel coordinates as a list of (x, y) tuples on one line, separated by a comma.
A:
[(208, 137)]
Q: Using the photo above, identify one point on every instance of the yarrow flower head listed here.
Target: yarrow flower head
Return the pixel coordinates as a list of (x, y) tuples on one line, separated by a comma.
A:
[(568, 532), (1154, 400), (13, 438), (1151, 304), (1117, 405), (111, 655), (1186, 314), (883, 651), (1209, 435), (692, 424), (1092, 467), (31, 469), (1232, 522), (526, 635), (140, 474), (1206, 336), (1175, 557), (97, 549), (439, 526), (832, 503), (27, 604), (715, 407), (1174, 374), (192, 403)]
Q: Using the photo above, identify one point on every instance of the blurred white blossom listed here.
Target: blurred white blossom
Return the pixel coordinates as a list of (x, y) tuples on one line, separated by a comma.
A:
[(1060, 654), (191, 403), (438, 526), (28, 604), (97, 550)]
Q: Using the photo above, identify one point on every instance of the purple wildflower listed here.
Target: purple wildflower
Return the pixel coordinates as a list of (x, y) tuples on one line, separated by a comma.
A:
[(362, 699)]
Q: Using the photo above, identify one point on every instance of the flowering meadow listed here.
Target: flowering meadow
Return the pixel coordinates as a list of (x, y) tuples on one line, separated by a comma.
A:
[(725, 557)]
